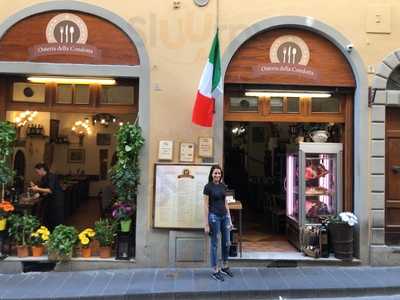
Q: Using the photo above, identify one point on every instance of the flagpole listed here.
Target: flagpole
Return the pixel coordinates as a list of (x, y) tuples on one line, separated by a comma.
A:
[(217, 19)]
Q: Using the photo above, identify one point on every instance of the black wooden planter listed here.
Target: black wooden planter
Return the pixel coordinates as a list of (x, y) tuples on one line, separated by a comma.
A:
[(341, 240)]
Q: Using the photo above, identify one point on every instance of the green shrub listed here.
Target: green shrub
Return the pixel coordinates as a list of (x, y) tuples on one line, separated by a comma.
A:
[(106, 230), (62, 241), (21, 227)]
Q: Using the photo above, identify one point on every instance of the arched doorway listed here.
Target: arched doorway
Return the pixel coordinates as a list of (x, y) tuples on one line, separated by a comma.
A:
[(385, 160), (360, 104), (89, 64)]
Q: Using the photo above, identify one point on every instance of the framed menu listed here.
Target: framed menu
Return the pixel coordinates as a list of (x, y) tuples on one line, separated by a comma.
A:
[(178, 195), (165, 150), (186, 152), (205, 147)]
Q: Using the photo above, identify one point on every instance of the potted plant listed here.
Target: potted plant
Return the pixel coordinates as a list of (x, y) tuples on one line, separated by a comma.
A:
[(61, 242), (20, 229), (340, 229), (122, 212), (85, 238), (38, 239), (125, 174), (105, 233), (7, 139), (5, 209)]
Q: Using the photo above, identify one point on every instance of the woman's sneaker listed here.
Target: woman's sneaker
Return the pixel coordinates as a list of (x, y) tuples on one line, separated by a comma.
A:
[(217, 276), (227, 272)]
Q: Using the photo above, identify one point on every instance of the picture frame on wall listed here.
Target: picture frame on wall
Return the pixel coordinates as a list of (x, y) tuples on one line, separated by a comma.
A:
[(186, 152), (103, 139), (76, 156), (165, 150), (205, 148)]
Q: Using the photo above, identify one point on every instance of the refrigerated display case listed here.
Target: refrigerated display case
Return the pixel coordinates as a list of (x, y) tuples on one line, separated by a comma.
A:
[(313, 185)]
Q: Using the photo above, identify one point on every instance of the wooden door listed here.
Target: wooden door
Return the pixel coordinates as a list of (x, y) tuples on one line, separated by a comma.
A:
[(392, 207), (103, 163)]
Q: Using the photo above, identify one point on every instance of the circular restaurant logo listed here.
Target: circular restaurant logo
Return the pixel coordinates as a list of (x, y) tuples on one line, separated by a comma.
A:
[(289, 49), (66, 29)]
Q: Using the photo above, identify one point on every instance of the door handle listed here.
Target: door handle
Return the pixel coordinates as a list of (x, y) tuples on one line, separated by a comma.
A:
[(396, 169)]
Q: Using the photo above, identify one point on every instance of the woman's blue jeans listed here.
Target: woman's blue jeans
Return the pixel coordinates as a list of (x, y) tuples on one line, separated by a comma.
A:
[(219, 225)]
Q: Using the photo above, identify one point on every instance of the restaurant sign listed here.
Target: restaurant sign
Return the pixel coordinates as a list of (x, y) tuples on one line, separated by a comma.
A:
[(288, 55), (66, 34)]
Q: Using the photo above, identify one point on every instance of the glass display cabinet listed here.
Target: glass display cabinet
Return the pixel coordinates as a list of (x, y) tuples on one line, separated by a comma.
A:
[(313, 185)]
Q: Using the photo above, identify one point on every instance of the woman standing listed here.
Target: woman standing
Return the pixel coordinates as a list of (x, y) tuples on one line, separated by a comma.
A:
[(217, 220)]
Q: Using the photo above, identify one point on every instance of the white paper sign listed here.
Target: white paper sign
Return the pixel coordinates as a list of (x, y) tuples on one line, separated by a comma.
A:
[(165, 150)]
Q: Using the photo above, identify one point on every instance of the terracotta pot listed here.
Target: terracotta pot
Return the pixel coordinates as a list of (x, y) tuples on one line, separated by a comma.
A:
[(37, 250), (3, 224), (105, 252), (22, 251), (86, 252)]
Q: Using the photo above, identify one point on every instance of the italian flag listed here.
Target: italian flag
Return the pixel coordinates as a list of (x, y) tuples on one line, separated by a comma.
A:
[(209, 87)]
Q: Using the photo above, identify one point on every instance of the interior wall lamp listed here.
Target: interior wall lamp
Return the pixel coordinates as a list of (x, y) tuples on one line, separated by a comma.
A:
[(71, 80), (24, 117), (311, 94), (81, 128)]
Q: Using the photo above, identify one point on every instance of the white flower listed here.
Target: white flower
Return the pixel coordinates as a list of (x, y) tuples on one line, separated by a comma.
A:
[(348, 218)]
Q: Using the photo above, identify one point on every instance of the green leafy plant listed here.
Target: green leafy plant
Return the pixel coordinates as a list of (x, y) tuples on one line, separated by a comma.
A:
[(7, 139), (106, 230), (62, 241), (125, 175), (21, 228)]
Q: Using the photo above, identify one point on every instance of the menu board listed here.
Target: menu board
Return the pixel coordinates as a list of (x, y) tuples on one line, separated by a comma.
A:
[(178, 197)]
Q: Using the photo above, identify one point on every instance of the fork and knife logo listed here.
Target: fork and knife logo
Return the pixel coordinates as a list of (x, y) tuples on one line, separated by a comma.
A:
[(289, 49), (66, 28), (289, 54), (66, 33)]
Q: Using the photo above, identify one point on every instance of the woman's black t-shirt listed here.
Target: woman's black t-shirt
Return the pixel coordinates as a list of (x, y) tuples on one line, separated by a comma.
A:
[(216, 198)]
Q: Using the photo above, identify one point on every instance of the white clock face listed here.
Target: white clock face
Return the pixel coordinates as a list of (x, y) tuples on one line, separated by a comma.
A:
[(201, 2)]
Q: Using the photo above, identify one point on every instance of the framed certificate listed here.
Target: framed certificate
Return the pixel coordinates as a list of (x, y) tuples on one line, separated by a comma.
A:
[(165, 150), (186, 152), (205, 147)]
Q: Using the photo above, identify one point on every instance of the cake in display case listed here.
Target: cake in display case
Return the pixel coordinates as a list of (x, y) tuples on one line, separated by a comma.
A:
[(313, 185)]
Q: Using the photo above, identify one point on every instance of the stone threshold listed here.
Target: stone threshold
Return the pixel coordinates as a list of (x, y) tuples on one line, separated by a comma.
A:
[(291, 258)]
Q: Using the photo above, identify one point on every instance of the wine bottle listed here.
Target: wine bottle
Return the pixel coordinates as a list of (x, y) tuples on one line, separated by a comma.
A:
[(324, 245)]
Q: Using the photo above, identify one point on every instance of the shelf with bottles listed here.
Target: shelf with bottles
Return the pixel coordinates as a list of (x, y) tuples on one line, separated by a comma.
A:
[(35, 130)]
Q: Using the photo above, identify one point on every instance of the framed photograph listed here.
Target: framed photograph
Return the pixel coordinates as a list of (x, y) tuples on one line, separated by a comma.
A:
[(186, 152), (76, 156), (165, 150), (103, 139), (205, 147)]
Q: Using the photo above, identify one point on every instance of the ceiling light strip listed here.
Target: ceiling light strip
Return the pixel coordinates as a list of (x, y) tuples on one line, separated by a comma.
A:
[(72, 80), (288, 94)]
